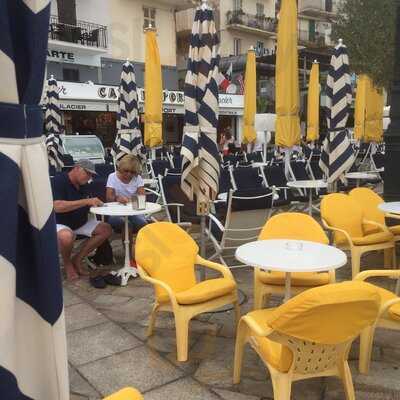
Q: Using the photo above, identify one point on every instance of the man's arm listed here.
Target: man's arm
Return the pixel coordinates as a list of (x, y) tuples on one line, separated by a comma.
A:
[(63, 206)]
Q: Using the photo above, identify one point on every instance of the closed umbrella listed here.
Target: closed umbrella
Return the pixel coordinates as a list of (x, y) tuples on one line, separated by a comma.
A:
[(53, 125), (201, 159), (250, 89), (337, 154), (363, 83), (374, 115), (33, 361), (313, 104), (153, 89), (287, 78), (129, 137)]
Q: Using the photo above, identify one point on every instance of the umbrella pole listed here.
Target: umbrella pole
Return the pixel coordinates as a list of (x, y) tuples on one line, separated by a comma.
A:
[(153, 153)]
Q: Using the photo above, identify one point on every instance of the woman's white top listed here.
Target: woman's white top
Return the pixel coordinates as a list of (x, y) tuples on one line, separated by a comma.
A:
[(124, 189)]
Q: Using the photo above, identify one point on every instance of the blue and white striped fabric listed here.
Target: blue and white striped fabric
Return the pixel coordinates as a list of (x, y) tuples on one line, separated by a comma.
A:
[(129, 137), (52, 120), (33, 361), (337, 155), (201, 159)]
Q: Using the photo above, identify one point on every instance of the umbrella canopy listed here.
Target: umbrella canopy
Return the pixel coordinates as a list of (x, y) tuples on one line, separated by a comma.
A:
[(250, 95), (129, 137), (368, 115), (52, 118), (153, 89), (200, 164), (337, 154), (33, 361), (287, 132), (313, 104)]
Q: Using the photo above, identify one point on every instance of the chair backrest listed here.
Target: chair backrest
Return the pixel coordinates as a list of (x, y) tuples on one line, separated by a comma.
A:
[(167, 253), (368, 200), (341, 211), (225, 183), (246, 178), (297, 226), (275, 175), (158, 167), (299, 170), (246, 214), (328, 314), (125, 394), (104, 169)]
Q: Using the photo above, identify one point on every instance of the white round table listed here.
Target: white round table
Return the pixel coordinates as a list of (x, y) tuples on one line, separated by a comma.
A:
[(360, 176), (121, 210), (392, 207), (310, 185), (290, 256)]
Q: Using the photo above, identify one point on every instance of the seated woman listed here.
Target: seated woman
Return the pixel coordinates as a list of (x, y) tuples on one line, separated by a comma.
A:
[(121, 186)]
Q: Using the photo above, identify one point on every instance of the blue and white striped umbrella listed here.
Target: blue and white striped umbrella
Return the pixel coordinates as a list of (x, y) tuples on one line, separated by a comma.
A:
[(129, 137), (337, 154), (201, 159), (33, 361), (52, 119)]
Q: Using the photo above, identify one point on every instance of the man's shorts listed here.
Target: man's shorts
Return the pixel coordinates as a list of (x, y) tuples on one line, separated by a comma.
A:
[(84, 230)]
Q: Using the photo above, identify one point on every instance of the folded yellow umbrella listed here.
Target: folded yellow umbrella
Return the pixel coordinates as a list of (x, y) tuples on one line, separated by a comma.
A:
[(250, 93), (368, 114), (287, 78), (374, 115), (313, 104), (153, 92), (363, 83)]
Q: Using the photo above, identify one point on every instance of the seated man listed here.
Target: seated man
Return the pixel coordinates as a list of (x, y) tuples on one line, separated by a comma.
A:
[(71, 205)]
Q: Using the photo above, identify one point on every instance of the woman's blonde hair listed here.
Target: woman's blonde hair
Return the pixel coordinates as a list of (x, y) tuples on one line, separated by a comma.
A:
[(130, 162)]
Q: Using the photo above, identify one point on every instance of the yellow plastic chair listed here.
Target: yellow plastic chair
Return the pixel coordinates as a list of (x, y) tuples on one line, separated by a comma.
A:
[(342, 215), (309, 336), (388, 318), (298, 226), (166, 256), (369, 201), (125, 394)]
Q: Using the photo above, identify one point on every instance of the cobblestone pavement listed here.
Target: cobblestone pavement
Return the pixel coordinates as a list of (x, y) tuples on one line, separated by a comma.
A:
[(108, 349)]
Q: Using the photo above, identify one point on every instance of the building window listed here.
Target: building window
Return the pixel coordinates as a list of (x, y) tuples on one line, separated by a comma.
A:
[(237, 5), (149, 15), (70, 74), (237, 47), (259, 9), (260, 48)]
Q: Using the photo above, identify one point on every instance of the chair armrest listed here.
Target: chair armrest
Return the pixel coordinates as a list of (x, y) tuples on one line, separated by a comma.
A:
[(148, 190), (215, 266), (386, 306), (331, 228), (143, 274), (381, 226), (362, 276), (394, 216), (214, 219), (255, 327)]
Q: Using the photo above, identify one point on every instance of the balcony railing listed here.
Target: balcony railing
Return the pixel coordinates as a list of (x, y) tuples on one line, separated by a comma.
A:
[(314, 39), (316, 7), (84, 33), (261, 22)]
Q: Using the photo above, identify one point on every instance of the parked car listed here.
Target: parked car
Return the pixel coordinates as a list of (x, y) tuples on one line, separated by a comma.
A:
[(84, 146)]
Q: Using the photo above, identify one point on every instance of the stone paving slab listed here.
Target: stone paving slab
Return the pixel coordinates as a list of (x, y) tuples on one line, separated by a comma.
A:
[(80, 387), (140, 368), (70, 298), (81, 316), (182, 389), (95, 342)]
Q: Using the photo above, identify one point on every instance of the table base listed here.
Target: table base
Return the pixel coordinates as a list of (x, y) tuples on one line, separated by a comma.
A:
[(125, 273)]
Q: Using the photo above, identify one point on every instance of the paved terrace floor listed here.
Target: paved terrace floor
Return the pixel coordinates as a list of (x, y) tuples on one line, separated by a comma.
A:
[(108, 349)]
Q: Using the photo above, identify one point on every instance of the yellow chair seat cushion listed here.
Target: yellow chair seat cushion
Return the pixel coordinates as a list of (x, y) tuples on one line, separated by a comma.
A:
[(125, 394), (297, 278), (395, 229), (386, 295), (204, 291), (374, 238), (279, 356)]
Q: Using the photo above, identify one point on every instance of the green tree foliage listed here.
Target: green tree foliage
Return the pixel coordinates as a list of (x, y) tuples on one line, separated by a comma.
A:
[(367, 28)]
